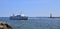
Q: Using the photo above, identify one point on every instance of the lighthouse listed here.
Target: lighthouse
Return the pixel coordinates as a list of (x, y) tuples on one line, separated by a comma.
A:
[(50, 15)]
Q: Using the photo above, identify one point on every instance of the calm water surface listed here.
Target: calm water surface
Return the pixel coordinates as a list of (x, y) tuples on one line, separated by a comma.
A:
[(34, 23)]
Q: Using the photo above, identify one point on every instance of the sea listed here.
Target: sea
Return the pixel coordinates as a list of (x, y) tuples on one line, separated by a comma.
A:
[(33, 23)]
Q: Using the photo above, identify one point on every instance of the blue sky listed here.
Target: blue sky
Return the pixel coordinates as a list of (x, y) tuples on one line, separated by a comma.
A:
[(30, 8)]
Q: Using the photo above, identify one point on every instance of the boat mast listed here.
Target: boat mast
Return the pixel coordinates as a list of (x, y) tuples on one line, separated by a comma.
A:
[(13, 15), (21, 13)]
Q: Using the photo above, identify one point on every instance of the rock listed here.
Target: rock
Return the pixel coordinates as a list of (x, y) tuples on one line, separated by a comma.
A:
[(4, 25)]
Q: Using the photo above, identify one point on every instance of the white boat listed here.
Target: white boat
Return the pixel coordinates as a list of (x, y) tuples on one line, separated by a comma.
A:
[(19, 17)]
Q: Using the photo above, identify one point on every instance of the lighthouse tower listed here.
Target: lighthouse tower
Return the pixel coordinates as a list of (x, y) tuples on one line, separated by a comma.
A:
[(50, 15)]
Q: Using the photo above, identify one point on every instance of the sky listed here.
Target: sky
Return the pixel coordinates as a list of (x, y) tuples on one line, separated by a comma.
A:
[(31, 8)]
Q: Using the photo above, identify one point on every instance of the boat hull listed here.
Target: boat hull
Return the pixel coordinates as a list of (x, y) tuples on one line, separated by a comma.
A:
[(18, 18)]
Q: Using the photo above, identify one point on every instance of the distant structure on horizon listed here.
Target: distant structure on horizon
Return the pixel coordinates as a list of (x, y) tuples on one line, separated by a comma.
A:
[(50, 15)]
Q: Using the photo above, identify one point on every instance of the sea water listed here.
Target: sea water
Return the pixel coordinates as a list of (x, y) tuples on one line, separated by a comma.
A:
[(33, 23)]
